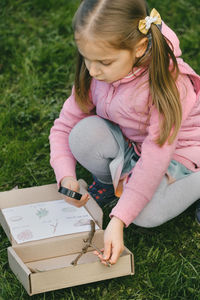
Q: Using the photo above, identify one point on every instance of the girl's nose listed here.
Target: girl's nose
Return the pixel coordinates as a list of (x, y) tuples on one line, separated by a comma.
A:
[(94, 70)]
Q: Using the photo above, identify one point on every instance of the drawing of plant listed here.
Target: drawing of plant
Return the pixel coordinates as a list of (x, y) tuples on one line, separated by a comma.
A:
[(42, 212), (16, 218), (68, 209), (25, 235), (54, 226), (82, 222)]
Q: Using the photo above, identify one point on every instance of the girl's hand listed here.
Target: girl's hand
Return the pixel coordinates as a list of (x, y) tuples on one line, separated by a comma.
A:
[(72, 184), (113, 241)]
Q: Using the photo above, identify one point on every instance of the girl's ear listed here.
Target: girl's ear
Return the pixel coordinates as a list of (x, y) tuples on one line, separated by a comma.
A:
[(141, 47)]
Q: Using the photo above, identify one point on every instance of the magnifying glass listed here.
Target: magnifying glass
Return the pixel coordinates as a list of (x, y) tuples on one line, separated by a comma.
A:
[(69, 193)]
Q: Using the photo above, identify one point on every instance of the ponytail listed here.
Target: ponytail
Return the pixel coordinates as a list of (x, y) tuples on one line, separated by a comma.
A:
[(163, 72)]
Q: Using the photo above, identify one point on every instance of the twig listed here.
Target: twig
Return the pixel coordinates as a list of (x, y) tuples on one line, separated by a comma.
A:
[(100, 253), (87, 241), (91, 233), (88, 244)]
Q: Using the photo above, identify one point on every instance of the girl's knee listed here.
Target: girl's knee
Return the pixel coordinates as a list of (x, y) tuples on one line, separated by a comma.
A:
[(149, 221), (80, 131), (87, 134), (82, 126), (87, 126)]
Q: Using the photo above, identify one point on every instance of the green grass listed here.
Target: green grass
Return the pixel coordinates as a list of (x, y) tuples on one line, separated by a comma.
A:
[(36, 76)]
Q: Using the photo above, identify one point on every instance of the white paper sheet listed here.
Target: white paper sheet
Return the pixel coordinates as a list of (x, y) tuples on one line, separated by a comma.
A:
[(45, 220)]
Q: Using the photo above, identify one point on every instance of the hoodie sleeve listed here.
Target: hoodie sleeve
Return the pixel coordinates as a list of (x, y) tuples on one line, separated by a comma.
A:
[(61, 158), (153, 163)]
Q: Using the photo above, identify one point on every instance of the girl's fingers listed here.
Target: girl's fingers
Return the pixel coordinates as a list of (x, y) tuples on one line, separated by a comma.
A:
[(101, 257), (107, 250), (99, 254), (78, 203), (116, 252), (72, 184), (84, 200)]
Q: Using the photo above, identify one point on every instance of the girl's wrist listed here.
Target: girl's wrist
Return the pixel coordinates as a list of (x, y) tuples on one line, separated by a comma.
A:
[(118, 221), (65, 179)]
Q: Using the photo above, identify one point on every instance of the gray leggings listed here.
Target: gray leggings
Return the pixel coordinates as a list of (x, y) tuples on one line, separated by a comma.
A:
[(94, 147)]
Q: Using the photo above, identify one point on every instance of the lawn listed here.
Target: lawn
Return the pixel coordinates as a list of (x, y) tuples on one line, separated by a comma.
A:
[(36, 75)]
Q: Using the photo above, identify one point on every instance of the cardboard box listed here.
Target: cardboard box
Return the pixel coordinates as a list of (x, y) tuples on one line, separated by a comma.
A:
[(45, 265)]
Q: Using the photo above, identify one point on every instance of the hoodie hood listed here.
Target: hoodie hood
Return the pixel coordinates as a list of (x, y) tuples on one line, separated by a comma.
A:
[(172, 37), (183, 67)]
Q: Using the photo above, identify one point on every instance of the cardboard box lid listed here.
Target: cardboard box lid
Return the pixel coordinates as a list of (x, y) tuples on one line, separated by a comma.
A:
[(43, 193)]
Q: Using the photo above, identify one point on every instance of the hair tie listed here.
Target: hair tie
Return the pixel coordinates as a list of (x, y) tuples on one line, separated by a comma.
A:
[(145, 24)]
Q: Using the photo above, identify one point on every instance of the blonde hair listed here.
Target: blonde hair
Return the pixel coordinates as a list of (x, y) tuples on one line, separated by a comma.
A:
[(116, 22)]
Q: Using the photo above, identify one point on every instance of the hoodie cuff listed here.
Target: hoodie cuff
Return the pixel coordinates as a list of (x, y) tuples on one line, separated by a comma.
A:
[(129, 206), (63, 168)]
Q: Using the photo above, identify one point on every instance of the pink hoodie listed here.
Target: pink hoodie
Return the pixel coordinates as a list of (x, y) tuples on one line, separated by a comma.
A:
[(126, 102)]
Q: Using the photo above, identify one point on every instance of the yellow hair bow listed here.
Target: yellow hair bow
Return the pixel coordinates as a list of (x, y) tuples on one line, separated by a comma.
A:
[(145, 24)]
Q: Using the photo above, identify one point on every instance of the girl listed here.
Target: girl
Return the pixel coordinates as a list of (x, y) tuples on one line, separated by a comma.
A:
[(132, 119)]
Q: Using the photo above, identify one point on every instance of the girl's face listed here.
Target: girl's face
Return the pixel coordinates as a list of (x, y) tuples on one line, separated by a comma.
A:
[(103, 62)]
